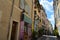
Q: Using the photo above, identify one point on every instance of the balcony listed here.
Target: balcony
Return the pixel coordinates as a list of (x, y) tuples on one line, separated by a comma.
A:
[(37, 4)]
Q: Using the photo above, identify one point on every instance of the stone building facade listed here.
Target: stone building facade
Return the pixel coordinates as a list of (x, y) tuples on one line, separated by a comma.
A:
[(10, 16), (56, 6)]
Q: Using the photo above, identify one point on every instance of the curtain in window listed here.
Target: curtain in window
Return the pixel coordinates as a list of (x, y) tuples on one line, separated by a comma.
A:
[(27, 8), (22, 4)]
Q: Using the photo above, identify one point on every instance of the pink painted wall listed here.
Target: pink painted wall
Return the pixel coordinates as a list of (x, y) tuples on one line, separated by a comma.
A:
[(21, 29)]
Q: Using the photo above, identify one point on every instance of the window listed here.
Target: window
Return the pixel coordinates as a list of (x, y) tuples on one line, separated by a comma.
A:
[(34, 14), (40, 20), (43, 22), (22, 4), (59, 13), (27, 8), (58, 16), (35, 6)]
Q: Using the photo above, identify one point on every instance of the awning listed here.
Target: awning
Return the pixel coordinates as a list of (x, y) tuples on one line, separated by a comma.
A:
[(28, 20)]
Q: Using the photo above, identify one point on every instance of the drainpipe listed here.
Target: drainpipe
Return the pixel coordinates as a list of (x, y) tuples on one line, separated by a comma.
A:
[(10, 19), (32, 17)]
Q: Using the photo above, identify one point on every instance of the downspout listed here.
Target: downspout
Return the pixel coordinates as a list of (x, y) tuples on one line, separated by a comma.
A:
[(10, 19), (32, 17)]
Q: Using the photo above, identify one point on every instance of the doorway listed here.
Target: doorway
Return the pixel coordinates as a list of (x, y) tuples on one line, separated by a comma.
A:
[(14, 30)]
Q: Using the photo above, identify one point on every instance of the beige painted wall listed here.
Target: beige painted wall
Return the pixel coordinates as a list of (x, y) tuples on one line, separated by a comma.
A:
[(5, 7), (58, 19), (5, 11)]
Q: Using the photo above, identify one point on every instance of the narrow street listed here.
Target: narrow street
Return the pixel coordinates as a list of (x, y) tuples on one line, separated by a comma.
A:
[(29, 19), (48, 38)]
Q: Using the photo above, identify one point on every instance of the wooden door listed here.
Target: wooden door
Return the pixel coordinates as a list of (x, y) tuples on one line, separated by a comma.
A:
[(14, 30)]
